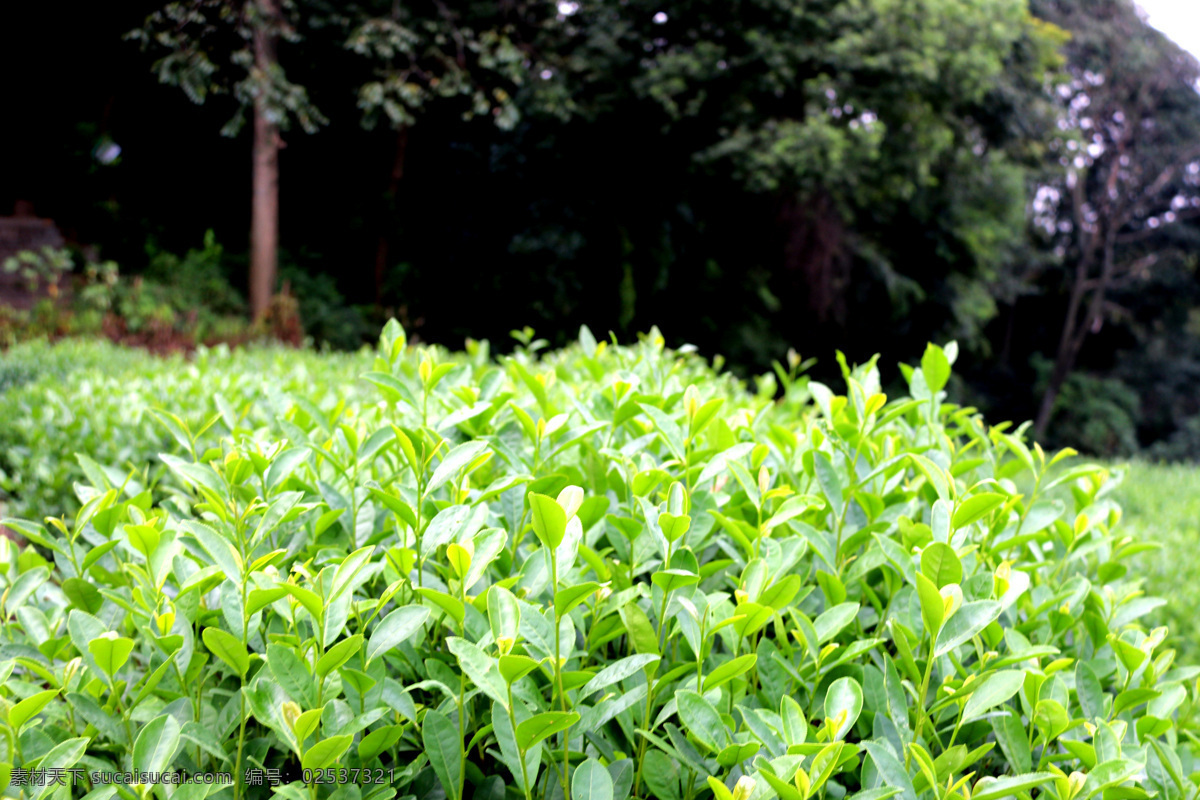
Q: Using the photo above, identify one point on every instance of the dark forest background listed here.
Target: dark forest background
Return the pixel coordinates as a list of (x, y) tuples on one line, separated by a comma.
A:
[(749, 176)]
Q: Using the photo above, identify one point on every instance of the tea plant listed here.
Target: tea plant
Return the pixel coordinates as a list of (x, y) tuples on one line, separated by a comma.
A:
[(601, 573), (121, 407), (1161, 503)]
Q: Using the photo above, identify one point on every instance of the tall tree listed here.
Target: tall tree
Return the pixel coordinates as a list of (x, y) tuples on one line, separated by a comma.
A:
[(470, 56), (1127, 163), (231, 47), (889, 141)]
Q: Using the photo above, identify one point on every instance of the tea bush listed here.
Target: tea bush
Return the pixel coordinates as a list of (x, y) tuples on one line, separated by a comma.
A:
[(1161, 503), (601, 573), (114, 406)]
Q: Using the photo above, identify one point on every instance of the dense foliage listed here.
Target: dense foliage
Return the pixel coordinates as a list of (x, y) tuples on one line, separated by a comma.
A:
[(600, 572), (1160, 505), (176, 303), (108, 403)]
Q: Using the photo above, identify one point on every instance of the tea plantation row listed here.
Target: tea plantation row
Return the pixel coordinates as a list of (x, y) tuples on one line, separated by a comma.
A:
[(592, 574)]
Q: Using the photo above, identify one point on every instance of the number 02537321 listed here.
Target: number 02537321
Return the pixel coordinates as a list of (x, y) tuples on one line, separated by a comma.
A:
[(343, 775)]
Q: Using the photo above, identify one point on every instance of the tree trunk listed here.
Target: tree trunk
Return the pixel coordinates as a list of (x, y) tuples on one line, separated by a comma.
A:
[(1075, 328), (816, 254), (264, 213)]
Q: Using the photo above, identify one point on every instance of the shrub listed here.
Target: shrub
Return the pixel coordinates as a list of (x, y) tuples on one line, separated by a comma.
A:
[(177, 303), (107, 404), (1161, 504), (601, 573)]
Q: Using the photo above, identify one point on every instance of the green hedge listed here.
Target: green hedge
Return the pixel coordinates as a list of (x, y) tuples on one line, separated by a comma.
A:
[(112, 405), (599, 573)]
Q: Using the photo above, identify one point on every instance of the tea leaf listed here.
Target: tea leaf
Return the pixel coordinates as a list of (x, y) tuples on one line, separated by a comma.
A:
[(994, 690), (228, 648), (591, 781), (326, 752), (541, 726), (442, 746), (395, 628), (22, 712), (156, 744), (338, 655)]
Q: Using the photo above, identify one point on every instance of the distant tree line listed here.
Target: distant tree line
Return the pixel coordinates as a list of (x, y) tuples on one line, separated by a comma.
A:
[(750, 176)]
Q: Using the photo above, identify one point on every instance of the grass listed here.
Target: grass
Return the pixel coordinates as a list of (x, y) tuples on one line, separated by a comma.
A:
[(1161, 503)]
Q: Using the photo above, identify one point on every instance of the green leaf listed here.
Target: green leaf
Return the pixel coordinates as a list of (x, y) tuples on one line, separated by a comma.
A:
[(83, 595), (617, 671), (218, 548), (781, 592), (540, 726), (513, 668), (228, 648), (307, 598), (443, 746), (1011, 785), (843, 704), (451, 605), (638, 626), (591, 781), (833, 620), (64, 755), (284, 465), (261, 598), (455, 460), (728, 671), (830, 482), (1109, 773), (482, 669), (111, 652), (969, 621), (785, 790), (933, 473), (702, 720), (395, 628), (933, 610), (672, 434), (292, 675), (156, 744), (306, 724), (502, 727), (935, 367), (143, 538), (28, 708), (351, 566), (753, 618), (720, 790), (1013, 740), (1091, 694), (338, 655), (940, 564), (975, 507), (674, 527), (795, 727), (890, 768), (549, 520), (378, 741), (568, 598), (671, 579), (994, 690), (326, 752), (504, 614)]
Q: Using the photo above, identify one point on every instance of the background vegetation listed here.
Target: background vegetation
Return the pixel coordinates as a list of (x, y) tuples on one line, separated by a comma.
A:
[(753, 176)]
